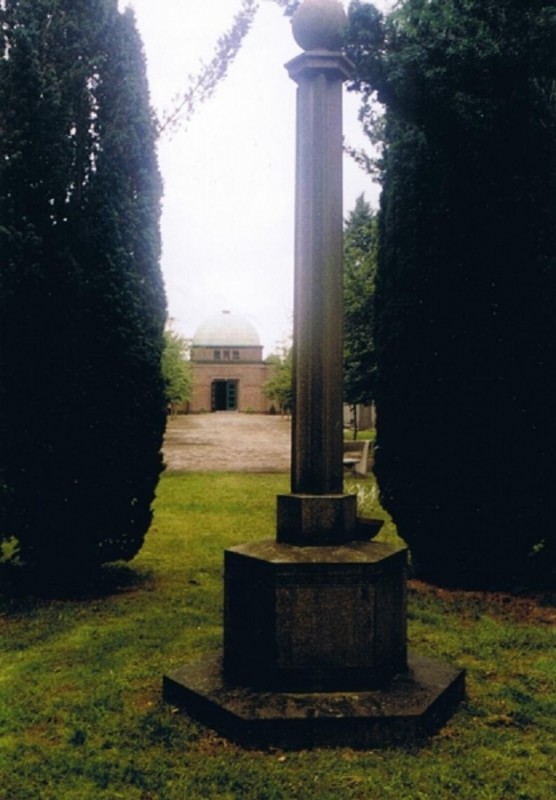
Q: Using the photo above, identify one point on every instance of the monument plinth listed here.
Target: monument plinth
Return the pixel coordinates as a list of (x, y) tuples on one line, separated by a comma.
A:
[(314, 618), (315, 640)]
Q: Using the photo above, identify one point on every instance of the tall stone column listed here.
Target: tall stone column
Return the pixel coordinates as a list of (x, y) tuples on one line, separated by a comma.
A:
[(315, 645), (317, 512), (317, 442)]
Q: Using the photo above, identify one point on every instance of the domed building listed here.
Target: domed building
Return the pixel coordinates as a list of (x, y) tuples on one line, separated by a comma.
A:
[(228, 368)]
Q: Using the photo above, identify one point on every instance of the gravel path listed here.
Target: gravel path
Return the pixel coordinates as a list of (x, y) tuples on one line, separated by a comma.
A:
[(227, 441)]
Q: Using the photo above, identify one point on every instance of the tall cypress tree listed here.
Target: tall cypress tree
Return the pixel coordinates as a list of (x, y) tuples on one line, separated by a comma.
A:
[(82, 304), (360, 253), (466, 284)]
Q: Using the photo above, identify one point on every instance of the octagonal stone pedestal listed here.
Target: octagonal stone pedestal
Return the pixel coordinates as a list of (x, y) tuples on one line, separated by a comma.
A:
[(315, 653), (314, 618)]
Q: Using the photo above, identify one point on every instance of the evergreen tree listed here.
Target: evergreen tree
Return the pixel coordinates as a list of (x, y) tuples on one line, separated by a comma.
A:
[(278, 387), (176, 369), (466, 284), (360, 252), (82, 307)]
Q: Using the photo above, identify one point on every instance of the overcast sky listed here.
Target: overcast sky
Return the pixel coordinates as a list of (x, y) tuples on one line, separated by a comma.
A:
[(228, 208)]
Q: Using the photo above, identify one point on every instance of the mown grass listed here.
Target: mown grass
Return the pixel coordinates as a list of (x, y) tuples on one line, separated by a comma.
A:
[(363, 433), (81, 715)]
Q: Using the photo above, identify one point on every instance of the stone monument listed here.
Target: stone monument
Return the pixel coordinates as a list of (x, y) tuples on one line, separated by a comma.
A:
[(315, 642)]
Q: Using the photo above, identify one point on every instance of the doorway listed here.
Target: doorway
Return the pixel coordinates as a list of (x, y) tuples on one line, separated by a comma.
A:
[(224, 395)]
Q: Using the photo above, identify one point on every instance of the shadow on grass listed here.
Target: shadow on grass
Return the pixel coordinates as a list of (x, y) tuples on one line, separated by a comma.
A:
[(18, 582)]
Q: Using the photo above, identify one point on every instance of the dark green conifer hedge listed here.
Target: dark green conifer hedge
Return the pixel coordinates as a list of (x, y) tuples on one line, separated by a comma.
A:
[(82, 303), (466, 284)]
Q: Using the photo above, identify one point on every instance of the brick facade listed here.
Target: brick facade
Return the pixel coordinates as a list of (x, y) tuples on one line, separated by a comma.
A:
[(250, 379), (229, 375)]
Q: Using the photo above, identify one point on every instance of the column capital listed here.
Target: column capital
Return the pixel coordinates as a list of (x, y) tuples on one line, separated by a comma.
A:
[(306, 65)]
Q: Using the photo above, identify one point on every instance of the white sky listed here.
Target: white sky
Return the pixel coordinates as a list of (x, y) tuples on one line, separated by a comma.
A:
[(228, 208)]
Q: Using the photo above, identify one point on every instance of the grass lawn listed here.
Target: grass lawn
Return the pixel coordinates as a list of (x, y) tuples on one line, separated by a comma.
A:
[(81, 716), (363, 433)]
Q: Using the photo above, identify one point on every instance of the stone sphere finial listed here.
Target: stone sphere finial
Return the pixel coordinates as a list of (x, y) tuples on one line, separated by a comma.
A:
[(319, 25)]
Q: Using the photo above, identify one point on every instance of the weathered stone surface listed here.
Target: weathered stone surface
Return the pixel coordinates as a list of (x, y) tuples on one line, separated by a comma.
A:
[(317, 431), (319, 24), (413, 705), (316, 519), (315, 618)]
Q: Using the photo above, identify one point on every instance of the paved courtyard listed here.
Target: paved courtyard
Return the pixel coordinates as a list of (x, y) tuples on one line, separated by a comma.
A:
[(227, 441)]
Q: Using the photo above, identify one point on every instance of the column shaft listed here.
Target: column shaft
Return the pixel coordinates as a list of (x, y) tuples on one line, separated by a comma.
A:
[(318, 302)]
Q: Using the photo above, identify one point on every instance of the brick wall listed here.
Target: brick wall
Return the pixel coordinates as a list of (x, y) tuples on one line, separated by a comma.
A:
[(251, 377)]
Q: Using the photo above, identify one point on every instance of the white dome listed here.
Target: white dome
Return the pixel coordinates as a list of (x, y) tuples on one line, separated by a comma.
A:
[(226, 330)]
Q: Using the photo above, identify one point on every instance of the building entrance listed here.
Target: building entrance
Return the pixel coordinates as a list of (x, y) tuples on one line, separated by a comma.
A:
[(224, 395)]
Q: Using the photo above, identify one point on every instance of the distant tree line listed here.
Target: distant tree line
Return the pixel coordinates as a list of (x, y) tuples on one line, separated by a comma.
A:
[(360, 251), (278, 387), (360, 263), (176, 370)]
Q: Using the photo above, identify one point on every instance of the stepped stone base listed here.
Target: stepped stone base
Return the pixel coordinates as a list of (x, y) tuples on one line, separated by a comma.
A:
[(413, 705), (315, 653)]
